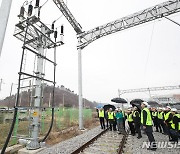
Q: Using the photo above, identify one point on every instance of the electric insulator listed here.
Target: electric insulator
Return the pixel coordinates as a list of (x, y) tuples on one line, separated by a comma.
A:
[(22, 12), (30, 9), (55, 34), (37, 3), (52, 26), (62, 29)]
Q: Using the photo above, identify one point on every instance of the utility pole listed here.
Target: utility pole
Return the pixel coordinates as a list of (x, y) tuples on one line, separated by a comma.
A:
[(10, 95), (49, 100), (0, 84), (4, 15), (80, 89), (63, 102)]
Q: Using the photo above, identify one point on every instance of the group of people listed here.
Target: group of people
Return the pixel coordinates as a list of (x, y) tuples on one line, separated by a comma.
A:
[(164, 120)]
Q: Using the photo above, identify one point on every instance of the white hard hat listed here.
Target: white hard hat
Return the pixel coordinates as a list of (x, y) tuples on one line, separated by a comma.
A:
[(145, 103), (160, 108), (148, 106), (173, 109), (168, 107)]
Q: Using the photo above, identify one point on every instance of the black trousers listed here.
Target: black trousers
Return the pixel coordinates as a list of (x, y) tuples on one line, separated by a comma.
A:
[(101, 119), (174, 135), (107, 122), (162, 124), (155, 121), (131, 126), (111, 123), (137, 128), (159, 126), (149, 133)]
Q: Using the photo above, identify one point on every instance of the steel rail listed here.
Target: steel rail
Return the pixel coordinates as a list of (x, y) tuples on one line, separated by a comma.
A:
[(84, 146), (88, 143)]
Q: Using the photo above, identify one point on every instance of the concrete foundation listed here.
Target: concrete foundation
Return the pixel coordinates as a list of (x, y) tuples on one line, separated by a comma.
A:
[(13, 149), (25, 151)]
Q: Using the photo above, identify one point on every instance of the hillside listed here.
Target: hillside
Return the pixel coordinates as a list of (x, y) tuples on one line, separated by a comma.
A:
[(61, 93)]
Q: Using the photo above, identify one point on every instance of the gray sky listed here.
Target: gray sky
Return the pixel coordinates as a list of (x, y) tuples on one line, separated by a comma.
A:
[(124, 60)]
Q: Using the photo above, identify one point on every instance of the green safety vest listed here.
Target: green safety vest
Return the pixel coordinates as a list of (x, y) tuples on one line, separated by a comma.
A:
[(173, 124), (101, 113), (149, 119), (167, 116), (154, 114), (129, 117), (160, 115), (134, 114), (110, 115)]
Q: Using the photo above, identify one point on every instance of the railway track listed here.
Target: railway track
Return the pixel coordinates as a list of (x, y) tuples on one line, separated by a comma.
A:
[(107, 142)]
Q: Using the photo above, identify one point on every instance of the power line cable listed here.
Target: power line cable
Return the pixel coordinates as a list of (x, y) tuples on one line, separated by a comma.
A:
[(149, 49)]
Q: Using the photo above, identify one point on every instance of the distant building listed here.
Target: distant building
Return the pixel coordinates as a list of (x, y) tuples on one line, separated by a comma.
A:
[(163, 99)]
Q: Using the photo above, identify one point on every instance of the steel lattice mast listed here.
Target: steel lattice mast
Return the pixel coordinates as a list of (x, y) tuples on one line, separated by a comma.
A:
[(149, 14), (148, 89)]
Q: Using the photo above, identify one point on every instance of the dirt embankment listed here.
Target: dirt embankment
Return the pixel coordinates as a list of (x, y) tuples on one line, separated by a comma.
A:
[(59, 136)]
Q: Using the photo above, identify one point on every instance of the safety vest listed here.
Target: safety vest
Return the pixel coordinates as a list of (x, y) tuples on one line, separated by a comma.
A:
[(148, 119), (173, 124), (110, 115), (134, 114), (129, 117), (167, 116), (101, 113), (154, 114), (160, 115)]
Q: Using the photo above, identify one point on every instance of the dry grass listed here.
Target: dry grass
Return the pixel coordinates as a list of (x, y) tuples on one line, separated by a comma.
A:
[(56, 137)]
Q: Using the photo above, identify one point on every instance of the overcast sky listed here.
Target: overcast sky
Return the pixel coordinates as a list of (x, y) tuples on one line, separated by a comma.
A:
[(140, 57)]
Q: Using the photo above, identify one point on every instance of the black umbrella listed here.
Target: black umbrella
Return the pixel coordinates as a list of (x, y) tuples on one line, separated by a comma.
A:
[(119, 100), (137, 103), (107, 107), (153, 103)]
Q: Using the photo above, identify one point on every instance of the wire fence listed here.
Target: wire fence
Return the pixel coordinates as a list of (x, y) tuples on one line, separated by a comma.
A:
[(63, 118)]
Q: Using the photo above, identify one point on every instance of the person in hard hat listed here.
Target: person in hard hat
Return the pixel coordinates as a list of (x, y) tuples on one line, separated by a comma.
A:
[(146, 121), (175, 126), (120, 120), (155, 118), (101, 117), (115, 120), (168, 121), (111, 118), (137, 121), (161, 124), (130, 121), (106, 117)]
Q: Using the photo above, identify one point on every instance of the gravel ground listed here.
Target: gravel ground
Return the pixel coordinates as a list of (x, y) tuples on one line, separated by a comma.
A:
[(134, 145), (70, 145)]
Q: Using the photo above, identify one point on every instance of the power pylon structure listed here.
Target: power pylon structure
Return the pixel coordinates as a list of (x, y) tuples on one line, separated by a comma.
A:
[(36, 38), (121, 92), (87, 37)]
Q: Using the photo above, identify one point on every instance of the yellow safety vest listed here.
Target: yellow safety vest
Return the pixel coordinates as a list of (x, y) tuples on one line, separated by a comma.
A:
[(110, 115), (149, 119), (154, 114), (101, 113), (173, 124), (129, 117), (134, 114), (167, 116), (160, 115)]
